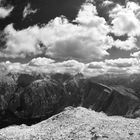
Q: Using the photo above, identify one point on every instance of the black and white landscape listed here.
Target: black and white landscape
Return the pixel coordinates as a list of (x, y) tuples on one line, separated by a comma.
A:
[(69, 69)]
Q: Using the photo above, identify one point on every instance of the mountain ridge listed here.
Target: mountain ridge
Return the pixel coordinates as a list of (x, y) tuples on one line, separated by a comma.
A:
[(76, 124), (28, 99)]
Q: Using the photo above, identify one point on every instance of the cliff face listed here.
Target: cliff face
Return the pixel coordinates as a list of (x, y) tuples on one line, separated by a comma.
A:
[(102, 98), (28, 99)]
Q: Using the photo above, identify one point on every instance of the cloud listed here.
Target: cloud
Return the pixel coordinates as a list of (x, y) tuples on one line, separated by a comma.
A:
[(12, 67), (44, 65), (70, 66), (47, 65), (123, 66), (121, 62), (107, 2), (127, 44), (75, 46), (5, 11), (122, 23), (87, 40), (21, 43), (126, 21), (41, 61), (50, 66), (136, 54), (28, 10), (89, 1), (133, 6), (113, 66), (96, 65), (86, 14)]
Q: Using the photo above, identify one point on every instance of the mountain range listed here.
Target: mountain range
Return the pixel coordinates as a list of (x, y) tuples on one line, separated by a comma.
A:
[(30, 98)]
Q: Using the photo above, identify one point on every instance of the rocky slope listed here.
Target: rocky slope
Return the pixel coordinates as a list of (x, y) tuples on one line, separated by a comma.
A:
[(76, 124), (29, 99)]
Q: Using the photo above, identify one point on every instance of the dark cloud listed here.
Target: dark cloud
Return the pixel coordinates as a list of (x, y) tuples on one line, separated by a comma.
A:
[(47, 10), (122, 37), (117, 53)]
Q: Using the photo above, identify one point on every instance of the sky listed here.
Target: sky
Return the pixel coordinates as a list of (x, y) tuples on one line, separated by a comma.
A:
[(94, 37)]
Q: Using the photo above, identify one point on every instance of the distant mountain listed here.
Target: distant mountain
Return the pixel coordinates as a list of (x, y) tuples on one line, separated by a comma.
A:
[(30, 98), (128, 81)]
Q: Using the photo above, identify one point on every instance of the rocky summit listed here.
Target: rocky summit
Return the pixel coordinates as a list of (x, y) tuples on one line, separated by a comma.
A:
[(31, 98), (76, 124)]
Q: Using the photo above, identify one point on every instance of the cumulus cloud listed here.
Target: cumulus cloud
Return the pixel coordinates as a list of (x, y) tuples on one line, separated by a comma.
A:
[(20, 43), (50, 66), (71, 66), (47, 65), (122, 23), (136, 54), (88, 1), (5, 11), (44, 65), (41, 61), (86, 14), (12, 67), (107, 2), (113, 66), (126, 21), (86, 41), (28, 10), (123, 66), (128, 44), (121, 62), (96, 65)]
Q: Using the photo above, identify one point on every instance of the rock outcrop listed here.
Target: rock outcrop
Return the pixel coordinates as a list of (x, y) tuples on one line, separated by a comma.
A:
[(76, 124), (29, 99)]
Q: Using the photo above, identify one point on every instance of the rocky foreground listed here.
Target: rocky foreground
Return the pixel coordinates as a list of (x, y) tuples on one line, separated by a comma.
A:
[(76, 124)]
